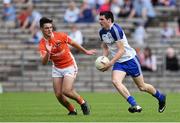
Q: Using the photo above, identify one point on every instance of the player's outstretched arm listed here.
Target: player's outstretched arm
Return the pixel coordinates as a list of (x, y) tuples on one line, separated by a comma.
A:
[(82, 49)]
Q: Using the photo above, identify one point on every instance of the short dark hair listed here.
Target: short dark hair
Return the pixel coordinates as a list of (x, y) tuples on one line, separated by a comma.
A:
[(44, 20), (108, 15)]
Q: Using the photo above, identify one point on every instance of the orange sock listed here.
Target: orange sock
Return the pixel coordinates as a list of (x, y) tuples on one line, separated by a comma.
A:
[(80, 100), (71, 107), (68, 105)]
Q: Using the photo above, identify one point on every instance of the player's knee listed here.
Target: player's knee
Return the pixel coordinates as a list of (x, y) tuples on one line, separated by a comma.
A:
[(59, 94), (142, 88), (67, 92), (115, 82)]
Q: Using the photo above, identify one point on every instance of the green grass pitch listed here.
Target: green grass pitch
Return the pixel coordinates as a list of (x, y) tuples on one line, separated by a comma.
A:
[(105, 107)]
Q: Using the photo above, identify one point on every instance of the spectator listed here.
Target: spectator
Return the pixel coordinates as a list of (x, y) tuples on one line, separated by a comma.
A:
[(155, 2), (178, 27), (91, 3), (139, 54), (23, 2), (144, 9), (8, 14), (115, 7), (22, 16), (126, 9), (105, 6), (99, 3), (140, 34), (36, 37), (148, 61), (32, 21), (166, 33), (76, 36), (37, 1), (86, 14), (168, 3), (95, 4), (72, 13), (171, 60)]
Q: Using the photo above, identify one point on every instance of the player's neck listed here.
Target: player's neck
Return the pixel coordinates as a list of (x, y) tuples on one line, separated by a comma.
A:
[(109, 26), (47, 37)]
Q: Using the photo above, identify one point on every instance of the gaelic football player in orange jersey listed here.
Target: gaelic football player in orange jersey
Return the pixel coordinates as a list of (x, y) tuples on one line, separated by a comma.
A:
[(54, 47)]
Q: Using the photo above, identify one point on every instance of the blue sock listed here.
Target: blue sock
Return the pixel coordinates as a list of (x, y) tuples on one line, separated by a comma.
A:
[(131, 101), (159, 96)]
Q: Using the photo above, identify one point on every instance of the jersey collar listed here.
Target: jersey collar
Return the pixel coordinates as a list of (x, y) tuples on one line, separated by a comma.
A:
[(109, 27)]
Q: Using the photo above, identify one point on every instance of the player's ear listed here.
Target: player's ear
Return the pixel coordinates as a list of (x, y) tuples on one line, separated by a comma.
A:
[(109, 20)]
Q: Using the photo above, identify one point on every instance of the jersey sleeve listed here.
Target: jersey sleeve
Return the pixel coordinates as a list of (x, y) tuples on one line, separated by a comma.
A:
[(117, 33), (66, 38), (69, 40)]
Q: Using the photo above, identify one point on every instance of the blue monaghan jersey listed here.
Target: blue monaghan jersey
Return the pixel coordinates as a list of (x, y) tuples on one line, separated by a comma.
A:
[(113, 35)]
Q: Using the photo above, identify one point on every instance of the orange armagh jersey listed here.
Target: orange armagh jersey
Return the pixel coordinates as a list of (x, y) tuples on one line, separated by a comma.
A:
[(60, 52)]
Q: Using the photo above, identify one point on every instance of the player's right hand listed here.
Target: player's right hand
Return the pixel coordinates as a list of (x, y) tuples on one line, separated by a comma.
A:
[(106, 67), (91, 52), (48, 47)]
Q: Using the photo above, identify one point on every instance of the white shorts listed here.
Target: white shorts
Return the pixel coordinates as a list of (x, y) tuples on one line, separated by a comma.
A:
[(68, 71)]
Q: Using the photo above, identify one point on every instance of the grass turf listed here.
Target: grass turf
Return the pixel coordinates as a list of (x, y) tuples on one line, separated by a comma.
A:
[(105, 107)]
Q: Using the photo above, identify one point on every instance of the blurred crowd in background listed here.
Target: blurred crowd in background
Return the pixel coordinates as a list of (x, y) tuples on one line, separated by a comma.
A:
[(28, 19)]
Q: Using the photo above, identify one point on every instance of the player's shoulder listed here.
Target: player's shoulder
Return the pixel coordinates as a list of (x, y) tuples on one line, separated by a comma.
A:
[(116, 26), (101, 30), (60, 34), (41, 41)]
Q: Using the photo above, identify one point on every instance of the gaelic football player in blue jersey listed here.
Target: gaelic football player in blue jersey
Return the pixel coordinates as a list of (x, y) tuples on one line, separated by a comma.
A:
[(124, 62)]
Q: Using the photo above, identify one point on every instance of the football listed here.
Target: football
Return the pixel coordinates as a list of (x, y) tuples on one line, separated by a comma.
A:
[(101, 61)]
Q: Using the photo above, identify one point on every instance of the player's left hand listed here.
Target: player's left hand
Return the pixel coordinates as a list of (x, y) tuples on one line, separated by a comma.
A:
[(91, 52)]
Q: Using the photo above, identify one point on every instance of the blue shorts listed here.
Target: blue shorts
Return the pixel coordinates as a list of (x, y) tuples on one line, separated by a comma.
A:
[(131, 67)]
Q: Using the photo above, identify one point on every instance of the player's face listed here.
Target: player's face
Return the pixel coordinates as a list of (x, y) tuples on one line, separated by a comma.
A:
[(47, 30), (103, 22)]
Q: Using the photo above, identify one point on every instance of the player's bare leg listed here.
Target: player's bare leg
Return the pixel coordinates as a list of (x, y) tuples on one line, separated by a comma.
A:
[(57, 85), (117, 78), (144, 86), (69, 91), (151, 90)]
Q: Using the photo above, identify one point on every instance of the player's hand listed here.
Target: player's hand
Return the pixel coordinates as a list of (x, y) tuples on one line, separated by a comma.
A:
[(48, 47), (91, 52), (106, 67)]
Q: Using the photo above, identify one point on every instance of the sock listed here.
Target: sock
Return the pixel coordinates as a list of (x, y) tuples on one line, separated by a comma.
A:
[(131, 101), (68, 105), (159, 96), (71, 107), (80, 100)]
